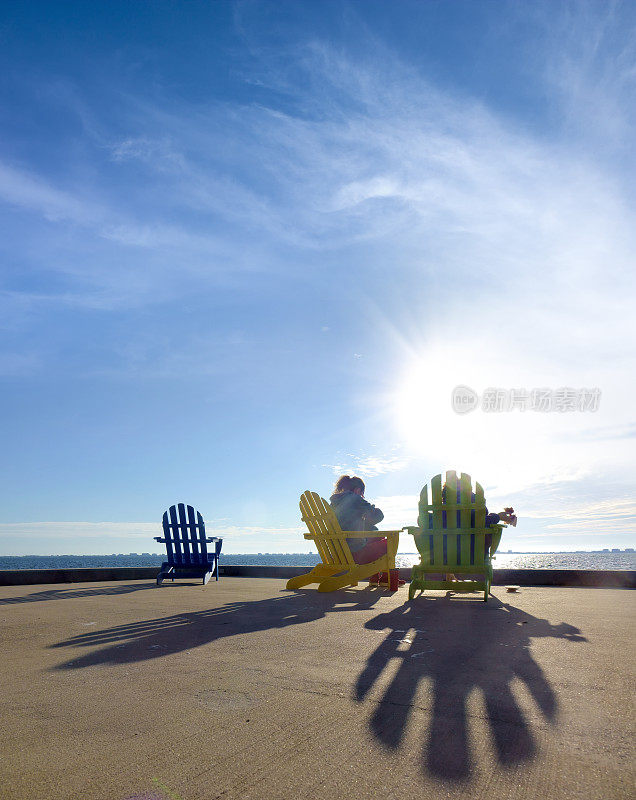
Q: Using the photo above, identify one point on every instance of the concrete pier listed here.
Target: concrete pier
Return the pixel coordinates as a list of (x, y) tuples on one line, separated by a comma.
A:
[(117, 690)]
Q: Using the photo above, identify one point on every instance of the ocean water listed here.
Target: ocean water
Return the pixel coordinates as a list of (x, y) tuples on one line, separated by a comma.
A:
[(579, 560)]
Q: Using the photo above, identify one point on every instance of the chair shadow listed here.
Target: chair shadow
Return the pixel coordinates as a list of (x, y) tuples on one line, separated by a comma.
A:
[(69, 594), (154, 638), (460, 646)]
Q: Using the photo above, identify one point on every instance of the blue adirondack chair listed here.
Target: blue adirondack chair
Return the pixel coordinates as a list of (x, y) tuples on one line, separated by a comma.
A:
[(186, 546)]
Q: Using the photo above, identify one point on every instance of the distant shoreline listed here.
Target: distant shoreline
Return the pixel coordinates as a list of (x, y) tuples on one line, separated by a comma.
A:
[(575, 559)]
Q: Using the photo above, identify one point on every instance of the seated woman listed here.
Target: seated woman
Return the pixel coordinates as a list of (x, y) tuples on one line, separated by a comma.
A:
[(354, 513)]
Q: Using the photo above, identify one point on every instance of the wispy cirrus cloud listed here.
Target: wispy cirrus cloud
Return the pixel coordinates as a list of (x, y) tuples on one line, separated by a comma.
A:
[(439, 175), (369, 465), (32, 192)]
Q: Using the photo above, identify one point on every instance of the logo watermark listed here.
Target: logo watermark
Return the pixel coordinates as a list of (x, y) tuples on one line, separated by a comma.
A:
[(545, 400), (464, 399)]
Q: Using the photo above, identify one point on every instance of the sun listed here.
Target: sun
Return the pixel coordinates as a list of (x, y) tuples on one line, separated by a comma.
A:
[(498, 449), (422, 410)]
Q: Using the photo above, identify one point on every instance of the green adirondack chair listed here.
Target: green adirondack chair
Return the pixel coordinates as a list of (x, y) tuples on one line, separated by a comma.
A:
[(452, 537)]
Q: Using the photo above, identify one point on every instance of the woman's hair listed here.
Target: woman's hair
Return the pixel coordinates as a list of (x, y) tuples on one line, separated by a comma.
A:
[(347, 484)]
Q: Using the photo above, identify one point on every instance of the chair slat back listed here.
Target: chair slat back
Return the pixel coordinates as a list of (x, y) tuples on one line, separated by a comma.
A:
[(184, 534), (317, 525), (450, 512), (184, 531), (422, 517), (450, 550), (457, 536), (324, 529), (451, 497), (480, 511), (436, 503), (465, 499)]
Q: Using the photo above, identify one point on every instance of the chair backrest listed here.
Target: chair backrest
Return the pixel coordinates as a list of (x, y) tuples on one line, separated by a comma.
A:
[(452, 550), (185, 539), (324, 529), (458, 534), (468, 512)]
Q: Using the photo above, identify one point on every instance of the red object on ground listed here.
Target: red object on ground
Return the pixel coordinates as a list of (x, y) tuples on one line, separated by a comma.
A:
[(392, 580)]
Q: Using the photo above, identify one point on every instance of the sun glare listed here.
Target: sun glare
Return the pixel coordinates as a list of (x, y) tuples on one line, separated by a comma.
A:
[(505, 451)]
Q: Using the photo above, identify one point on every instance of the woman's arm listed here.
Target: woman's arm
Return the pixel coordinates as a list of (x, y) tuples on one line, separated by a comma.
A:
[(369, 512)]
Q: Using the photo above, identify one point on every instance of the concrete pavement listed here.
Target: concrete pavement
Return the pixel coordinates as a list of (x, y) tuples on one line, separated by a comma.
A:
[(243, 690)]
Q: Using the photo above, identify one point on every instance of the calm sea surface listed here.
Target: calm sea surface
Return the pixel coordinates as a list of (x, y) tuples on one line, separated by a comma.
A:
[(581, 560)]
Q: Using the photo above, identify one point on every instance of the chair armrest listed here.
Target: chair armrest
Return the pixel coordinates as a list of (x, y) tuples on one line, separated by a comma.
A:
[(497, 531), (414, 530), (159, 539), (352, 535)]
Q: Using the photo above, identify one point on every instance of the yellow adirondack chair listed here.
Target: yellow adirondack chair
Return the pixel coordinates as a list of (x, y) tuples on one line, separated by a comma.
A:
[(338, 569)]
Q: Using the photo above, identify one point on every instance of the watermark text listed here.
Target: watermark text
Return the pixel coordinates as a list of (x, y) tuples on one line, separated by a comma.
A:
[(495, 399)]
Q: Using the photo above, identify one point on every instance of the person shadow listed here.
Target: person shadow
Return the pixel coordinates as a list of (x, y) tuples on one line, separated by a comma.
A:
[(154, 638), (460, 646)]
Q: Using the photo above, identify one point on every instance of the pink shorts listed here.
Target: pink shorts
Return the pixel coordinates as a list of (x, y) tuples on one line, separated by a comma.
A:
[(375, 548)]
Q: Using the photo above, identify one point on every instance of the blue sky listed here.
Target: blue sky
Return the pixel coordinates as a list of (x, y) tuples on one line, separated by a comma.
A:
[(246, 245)]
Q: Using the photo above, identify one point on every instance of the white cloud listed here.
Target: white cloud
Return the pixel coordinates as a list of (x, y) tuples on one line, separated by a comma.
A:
[(160, 153), (615, 510), (51, 538), (92, 530), (399, 511), (23, 189), (367, 465)]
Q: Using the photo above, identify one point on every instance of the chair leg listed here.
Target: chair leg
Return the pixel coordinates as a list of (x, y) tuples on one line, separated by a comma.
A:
[(165, 574), (418, 581), (317, 574), (337, 582)]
